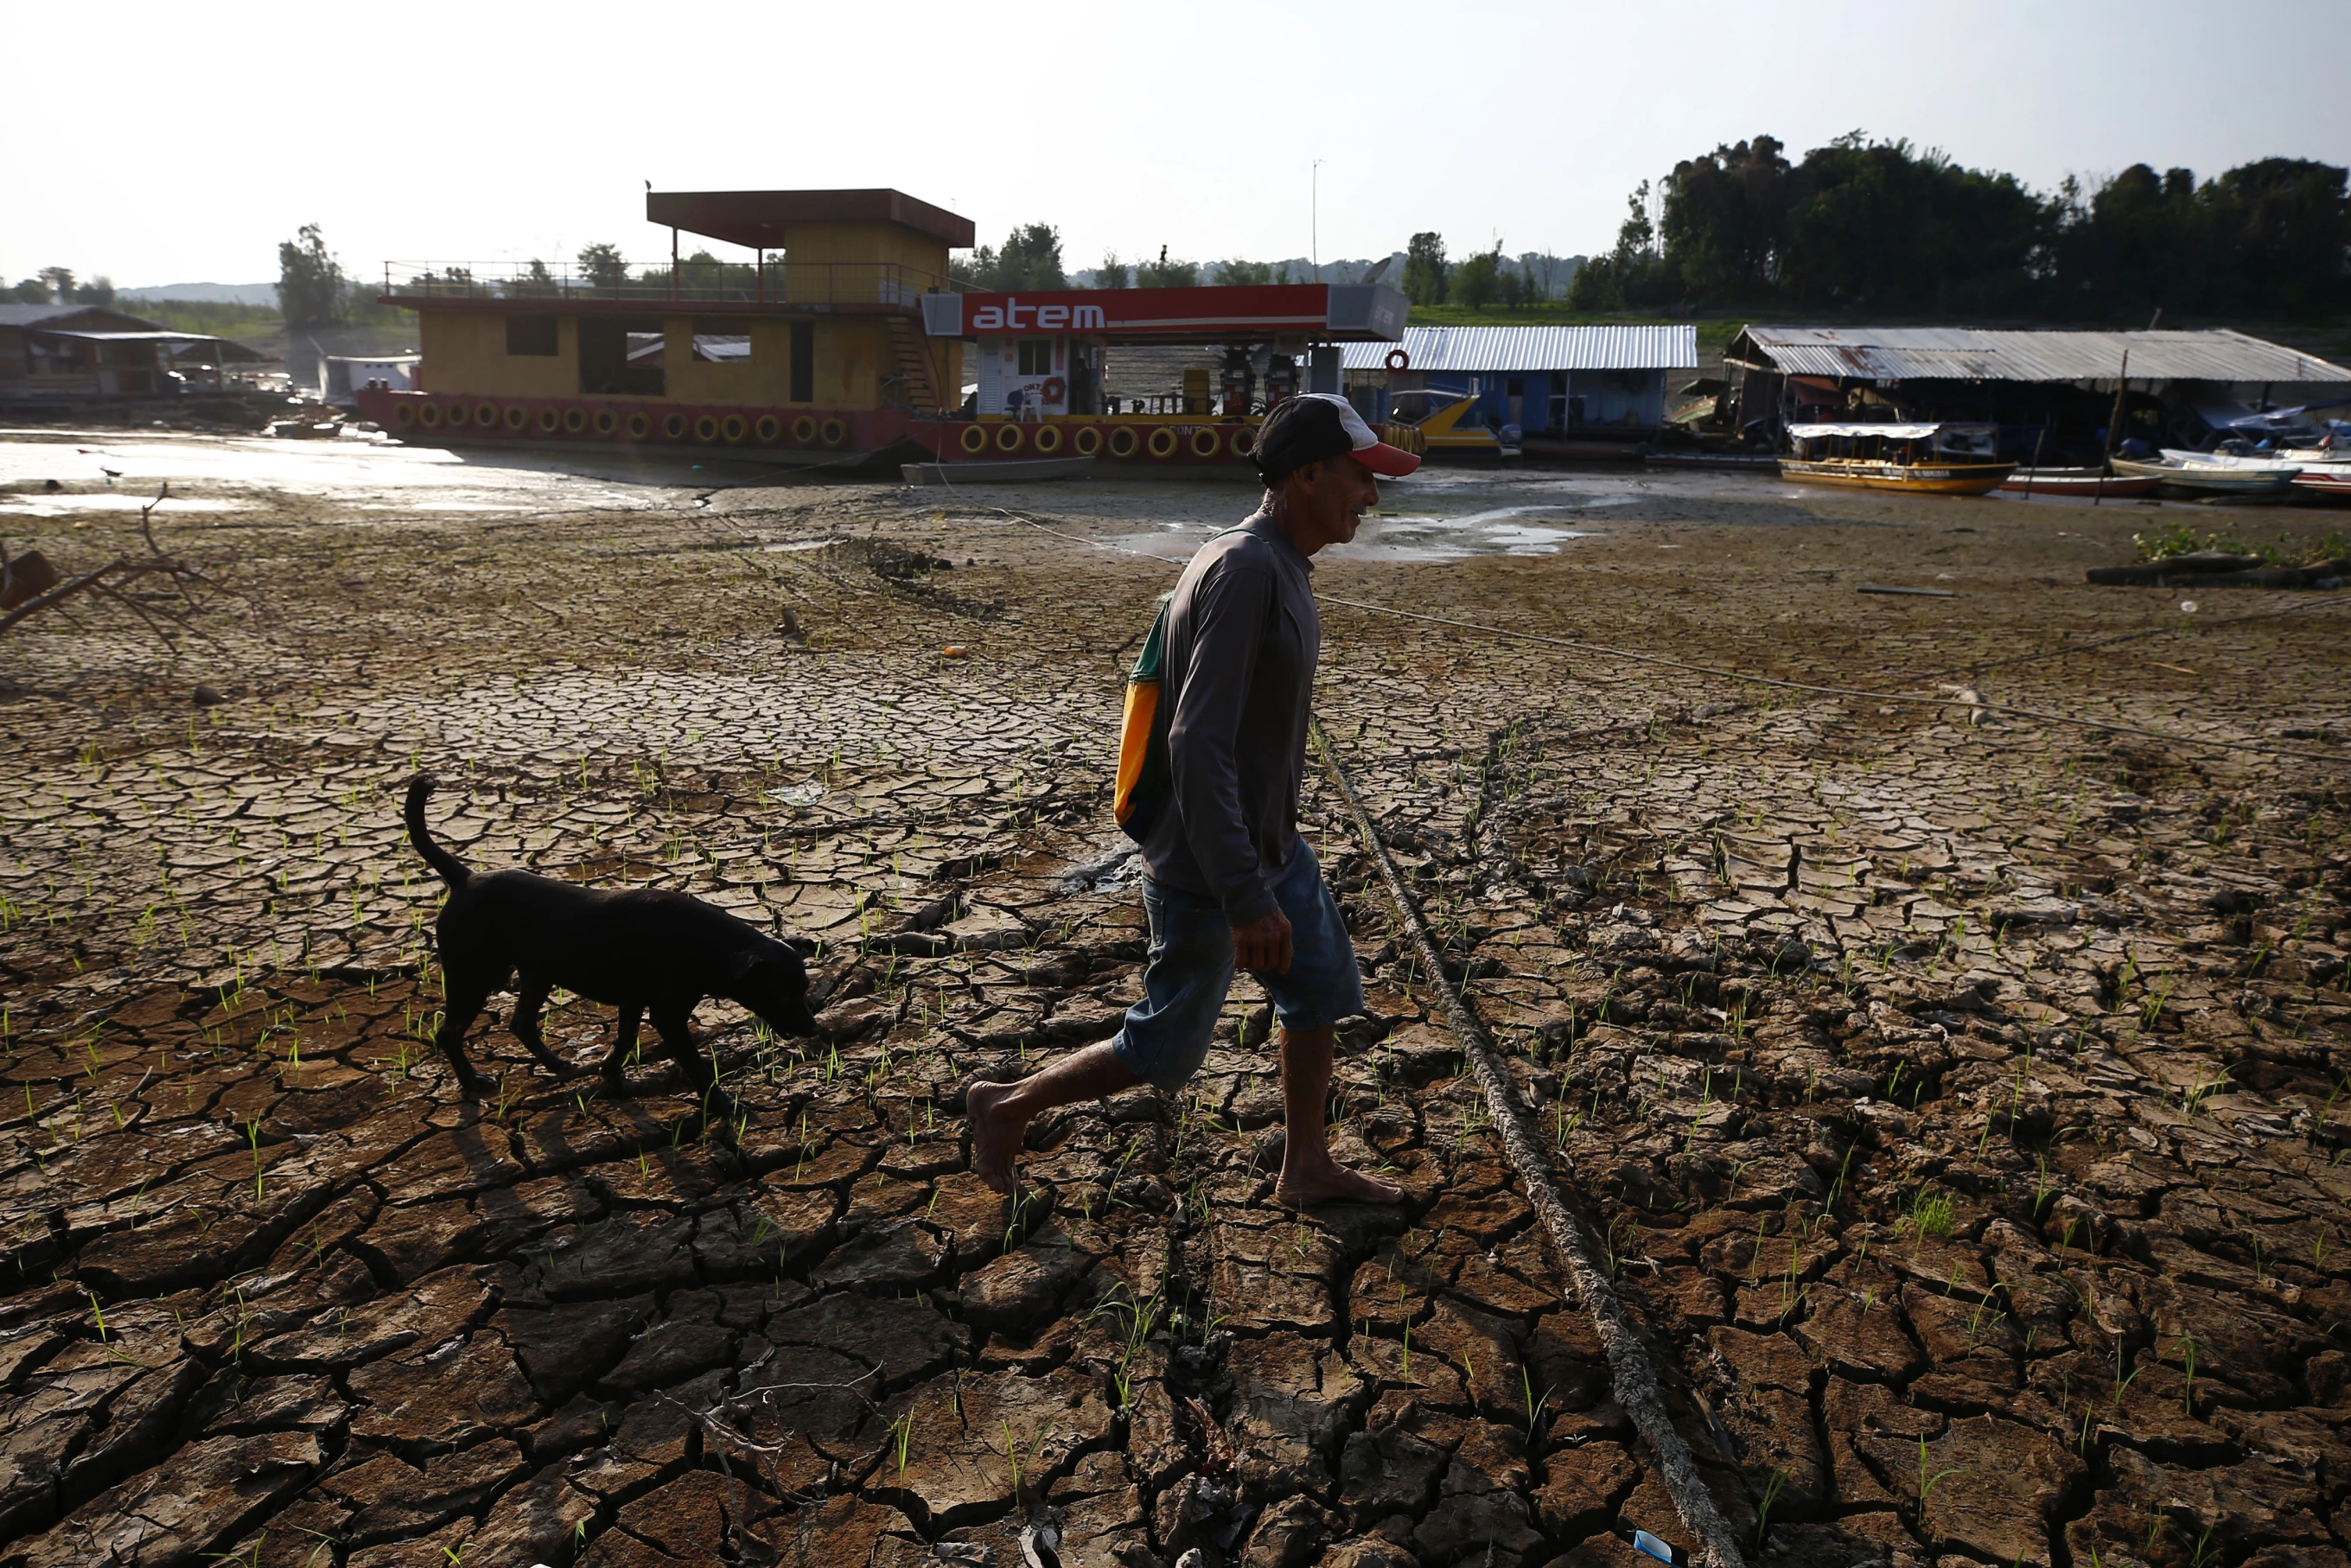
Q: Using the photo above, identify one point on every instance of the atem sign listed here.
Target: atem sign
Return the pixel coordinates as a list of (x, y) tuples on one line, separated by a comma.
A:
[(1006, 317), (1197, 315)]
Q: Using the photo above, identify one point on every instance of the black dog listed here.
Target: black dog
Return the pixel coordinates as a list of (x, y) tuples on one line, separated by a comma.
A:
[(642, 950)]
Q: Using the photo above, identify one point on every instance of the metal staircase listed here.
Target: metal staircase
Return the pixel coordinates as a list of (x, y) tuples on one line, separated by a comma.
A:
[(912, 378)]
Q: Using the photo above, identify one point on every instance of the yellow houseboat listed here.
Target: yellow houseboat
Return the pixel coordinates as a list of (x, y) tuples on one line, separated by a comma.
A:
[(1918, 459)]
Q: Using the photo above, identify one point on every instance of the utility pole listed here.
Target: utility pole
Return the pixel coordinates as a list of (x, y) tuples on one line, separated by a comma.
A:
[(1314, 220)]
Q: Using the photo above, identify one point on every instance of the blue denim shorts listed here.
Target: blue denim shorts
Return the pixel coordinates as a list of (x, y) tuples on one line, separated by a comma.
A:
[(1190, 969)]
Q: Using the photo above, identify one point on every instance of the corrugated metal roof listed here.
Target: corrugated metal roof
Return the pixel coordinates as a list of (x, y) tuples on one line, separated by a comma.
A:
[(1489, 349), (1963, 353)]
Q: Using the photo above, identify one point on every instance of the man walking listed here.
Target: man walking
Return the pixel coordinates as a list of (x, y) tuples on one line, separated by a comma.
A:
[(1227, 881)]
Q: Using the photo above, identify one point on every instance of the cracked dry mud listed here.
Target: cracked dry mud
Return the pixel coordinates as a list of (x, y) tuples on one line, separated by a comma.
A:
[(1958, 1101)]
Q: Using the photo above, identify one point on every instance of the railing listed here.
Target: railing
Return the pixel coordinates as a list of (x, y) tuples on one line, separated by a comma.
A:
[(691, 282)]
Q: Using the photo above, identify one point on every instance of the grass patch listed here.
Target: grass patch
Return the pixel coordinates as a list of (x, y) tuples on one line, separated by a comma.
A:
[(2182, 539)]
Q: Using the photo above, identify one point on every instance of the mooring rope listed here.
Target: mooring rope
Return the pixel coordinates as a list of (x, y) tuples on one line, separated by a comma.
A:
[(1635, 1380)]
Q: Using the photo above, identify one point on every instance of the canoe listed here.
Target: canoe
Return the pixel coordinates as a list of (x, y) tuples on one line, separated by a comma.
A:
[(2075, 482), (2209, 478), (1911, 478), (1033, 469)]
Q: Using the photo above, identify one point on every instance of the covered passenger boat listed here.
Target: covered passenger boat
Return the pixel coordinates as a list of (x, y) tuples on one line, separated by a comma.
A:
[(1943, 459)]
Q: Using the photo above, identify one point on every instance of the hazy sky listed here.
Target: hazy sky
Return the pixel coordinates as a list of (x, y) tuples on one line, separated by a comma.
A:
[(492, 130)]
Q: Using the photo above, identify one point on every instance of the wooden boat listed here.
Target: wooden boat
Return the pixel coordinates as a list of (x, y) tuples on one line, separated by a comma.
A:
[(2230, 460), (1016, 471), (1916, 459), (2075, 482), (2326, 488), (2210, 479)]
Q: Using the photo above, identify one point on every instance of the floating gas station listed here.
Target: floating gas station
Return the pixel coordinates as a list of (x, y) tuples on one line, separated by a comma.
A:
[(843, 339)]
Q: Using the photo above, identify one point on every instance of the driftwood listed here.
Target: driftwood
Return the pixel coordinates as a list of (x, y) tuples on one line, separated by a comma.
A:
[(112, 582)]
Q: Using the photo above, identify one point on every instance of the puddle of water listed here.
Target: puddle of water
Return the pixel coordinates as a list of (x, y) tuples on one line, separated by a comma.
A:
[(794, 545), (1453, 539), (440, 506), (46, 506)]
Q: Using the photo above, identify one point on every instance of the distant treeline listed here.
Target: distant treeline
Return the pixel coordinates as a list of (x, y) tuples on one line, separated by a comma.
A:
[(1879, 225)]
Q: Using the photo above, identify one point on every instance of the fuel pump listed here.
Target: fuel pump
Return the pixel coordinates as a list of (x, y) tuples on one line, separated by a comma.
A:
[(1280, 381), (1238, 382)]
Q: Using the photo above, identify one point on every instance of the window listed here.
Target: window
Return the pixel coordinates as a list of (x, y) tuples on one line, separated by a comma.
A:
[(803, 362), (1035, 356), (621, 356), (719, 343), (531, 335)]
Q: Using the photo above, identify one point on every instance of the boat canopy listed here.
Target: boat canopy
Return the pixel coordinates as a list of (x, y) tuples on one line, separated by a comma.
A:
[(1890, 431)]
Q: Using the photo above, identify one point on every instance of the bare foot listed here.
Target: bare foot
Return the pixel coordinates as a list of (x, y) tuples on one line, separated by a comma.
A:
[(995, 1134), (1331, 1182)]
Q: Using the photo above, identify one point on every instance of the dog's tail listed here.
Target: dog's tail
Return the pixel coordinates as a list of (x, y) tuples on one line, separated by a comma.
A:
[(450, 869)]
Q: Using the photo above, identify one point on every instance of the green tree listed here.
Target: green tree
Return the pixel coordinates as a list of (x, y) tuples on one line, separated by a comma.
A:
[(60, 282), (601, 266), (31, 291), (1113, 273), (1424, 268), (1726, 219), (1166, 274), (99, 290), (1236, 273), (1478, 281), (1876, 226), (1031, 258), (310, 281)]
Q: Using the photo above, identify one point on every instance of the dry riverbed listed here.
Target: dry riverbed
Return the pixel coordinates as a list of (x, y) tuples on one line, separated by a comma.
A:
[(1955, 1091)]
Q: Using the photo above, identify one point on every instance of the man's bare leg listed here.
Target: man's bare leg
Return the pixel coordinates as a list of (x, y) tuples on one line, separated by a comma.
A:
[(1309, 1173), (999, 1113)]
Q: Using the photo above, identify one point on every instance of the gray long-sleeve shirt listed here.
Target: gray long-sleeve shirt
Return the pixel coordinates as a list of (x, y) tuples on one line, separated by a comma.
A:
[(1238, 677)]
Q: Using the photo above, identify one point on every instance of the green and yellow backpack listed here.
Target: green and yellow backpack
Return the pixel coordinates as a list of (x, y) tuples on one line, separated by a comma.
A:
[(1145, 779)]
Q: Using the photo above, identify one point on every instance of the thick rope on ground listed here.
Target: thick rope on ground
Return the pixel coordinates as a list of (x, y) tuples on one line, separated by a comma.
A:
[(1635, 1381)]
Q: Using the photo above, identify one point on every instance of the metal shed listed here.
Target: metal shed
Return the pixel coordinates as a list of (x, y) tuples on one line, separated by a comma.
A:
[(1558, 380), (2048, 391)]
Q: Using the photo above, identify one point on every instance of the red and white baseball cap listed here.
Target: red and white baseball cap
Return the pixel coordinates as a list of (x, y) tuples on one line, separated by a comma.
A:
[(1314, 426)]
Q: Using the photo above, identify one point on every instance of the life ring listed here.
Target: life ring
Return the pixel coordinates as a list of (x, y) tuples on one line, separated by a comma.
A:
[(974, 439), (835, 433), (518, 418), (486, 417), (454, 414), (1052, 390), (551, 420), (705, 428), (429, 416), (673, 427), (607, 423), (769, 429), (1244, 440), (1087, 441), (404, 413), (575, 420), (1049, 439), (1008, 437), (1206, 442), (641, 425), (1124, 441), (804, 430), (1162, 442), (735, 427), (1397, 360)]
